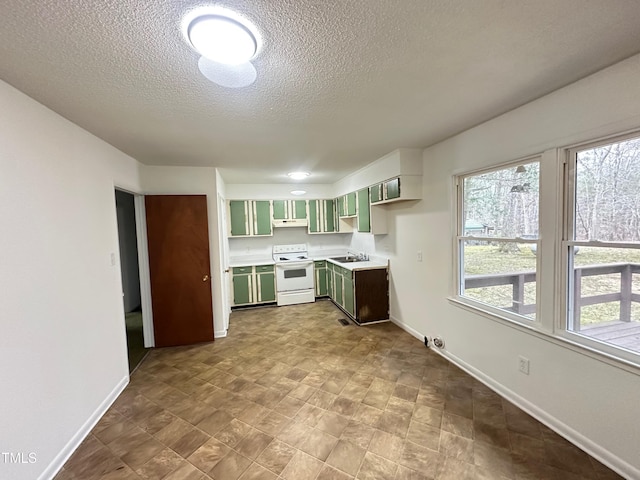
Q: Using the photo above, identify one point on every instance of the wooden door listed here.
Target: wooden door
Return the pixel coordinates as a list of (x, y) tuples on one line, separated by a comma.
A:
[(178, 238)]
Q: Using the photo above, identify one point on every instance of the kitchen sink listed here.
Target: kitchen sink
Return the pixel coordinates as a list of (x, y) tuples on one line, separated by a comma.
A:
[(345, 259)]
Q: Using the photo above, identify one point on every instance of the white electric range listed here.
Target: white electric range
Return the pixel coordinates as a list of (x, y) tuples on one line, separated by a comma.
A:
[(294, 274)]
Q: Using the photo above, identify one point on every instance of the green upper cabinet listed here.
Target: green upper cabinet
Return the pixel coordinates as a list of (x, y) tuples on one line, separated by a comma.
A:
[(351, 204), (280, 210), (403, 187), (376, 193), (314, 216), (299, 208), (392, 189), (329, 216), (322, 216), (249, 217), (364, 214), (262, 217), (347, 205), (239, 217), (289, 209)]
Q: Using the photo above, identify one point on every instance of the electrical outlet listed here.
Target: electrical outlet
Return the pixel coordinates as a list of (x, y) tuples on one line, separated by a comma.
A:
[(523, 365), (419, 256), (438, 342)]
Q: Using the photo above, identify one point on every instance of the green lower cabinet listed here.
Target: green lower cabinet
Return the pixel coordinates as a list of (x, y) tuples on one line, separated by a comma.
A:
[(253, 285), (320, 270), (330, 284), (265, 283), (349, 304), (242, 285), (337, 285)]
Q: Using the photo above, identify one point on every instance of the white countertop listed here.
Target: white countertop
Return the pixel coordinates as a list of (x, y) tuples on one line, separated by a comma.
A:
[(373, 262), (250, 260)]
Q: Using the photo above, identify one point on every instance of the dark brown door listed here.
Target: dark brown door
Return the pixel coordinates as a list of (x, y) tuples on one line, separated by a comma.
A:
[(178, 238)]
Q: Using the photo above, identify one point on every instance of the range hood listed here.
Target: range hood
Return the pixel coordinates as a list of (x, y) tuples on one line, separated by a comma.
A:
[(293, 222)]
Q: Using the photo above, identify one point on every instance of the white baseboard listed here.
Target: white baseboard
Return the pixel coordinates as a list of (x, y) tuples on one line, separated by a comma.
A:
[(598, 452), (54, 467), (219, 334)]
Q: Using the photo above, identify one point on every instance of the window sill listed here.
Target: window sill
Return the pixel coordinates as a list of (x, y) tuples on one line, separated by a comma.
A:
[(567, 340)]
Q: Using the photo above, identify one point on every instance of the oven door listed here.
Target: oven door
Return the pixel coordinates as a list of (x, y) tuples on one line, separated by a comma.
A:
[(292, 276)]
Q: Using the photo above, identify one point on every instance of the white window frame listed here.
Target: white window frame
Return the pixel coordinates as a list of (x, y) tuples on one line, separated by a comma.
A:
[(460, 238), (564, 261)]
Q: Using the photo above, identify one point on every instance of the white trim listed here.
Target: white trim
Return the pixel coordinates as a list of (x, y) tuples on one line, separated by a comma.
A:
[(496, 312), (596, 451), (57, 463), (601, 454), (144, 273), (410, 330), (219, 334)]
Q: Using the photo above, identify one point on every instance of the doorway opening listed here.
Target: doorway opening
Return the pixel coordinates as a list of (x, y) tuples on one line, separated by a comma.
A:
[(129, 269)]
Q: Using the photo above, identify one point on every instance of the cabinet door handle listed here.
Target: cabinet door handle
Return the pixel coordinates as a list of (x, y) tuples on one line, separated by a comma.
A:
[(205, 278)]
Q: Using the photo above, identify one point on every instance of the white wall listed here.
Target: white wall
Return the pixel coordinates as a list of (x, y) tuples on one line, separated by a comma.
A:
[(592, 402), (195, 181), (262, 246), (63, 352), (402, 161)]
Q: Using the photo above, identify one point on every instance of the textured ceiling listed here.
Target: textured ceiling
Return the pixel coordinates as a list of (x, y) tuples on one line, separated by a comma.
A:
[(340, 82)]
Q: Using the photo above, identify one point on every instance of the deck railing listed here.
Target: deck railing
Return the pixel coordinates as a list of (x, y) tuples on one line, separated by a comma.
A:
[(518, 280)]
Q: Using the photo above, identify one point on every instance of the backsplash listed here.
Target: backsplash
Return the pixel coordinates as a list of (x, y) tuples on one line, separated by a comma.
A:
[(261, 246)]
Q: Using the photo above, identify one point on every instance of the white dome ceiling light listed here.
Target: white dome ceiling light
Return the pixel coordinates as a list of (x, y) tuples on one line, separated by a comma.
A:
[(298, 175), (298, 192), (222, 39), (230, 76)]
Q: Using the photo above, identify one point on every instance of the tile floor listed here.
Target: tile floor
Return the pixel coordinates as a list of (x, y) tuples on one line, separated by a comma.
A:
[(292, 394)]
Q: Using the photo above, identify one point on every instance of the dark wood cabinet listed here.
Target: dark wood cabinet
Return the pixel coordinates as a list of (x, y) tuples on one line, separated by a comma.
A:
[(362, 294), (371, 295)]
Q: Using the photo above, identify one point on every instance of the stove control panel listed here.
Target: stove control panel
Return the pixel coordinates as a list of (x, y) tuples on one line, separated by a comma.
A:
[(300, 247)]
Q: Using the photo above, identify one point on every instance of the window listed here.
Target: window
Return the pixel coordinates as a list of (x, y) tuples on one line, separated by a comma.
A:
[(497, 239), (601, 247)]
